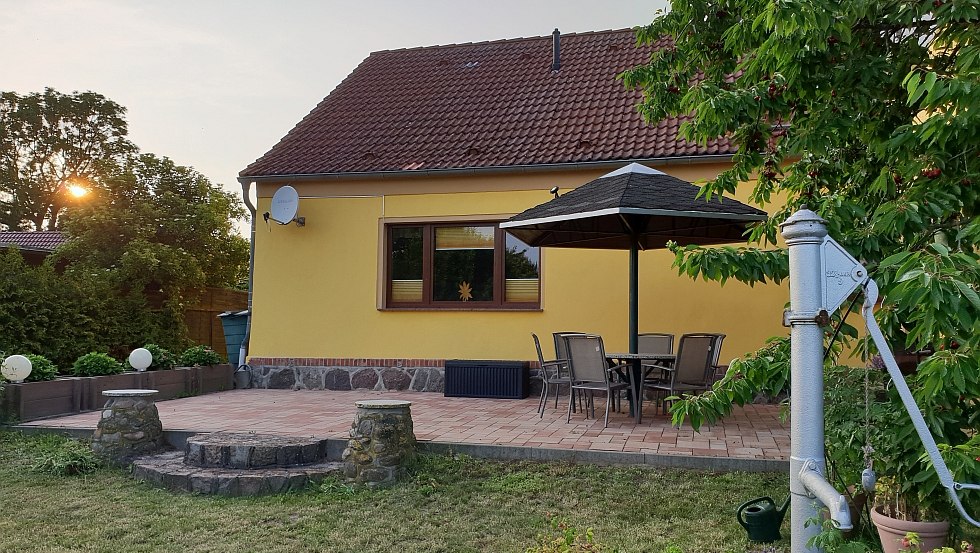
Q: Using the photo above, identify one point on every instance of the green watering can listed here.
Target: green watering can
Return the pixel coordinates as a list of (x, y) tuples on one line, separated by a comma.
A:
[(761, 519)]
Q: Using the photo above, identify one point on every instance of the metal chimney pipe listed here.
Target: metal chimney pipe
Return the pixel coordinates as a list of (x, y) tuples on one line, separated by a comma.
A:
[(555, 50)]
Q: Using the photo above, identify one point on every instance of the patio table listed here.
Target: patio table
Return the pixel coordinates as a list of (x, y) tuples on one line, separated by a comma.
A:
[(636, 376)]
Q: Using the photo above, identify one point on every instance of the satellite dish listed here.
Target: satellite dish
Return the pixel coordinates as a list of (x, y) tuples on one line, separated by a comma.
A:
[(285, 202)]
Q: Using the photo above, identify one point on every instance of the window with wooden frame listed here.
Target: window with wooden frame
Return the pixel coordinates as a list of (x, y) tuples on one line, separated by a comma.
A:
[(459, 266)]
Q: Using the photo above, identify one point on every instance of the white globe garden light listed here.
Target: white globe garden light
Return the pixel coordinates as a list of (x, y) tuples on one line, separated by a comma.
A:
[(140, 359), (16, 368)]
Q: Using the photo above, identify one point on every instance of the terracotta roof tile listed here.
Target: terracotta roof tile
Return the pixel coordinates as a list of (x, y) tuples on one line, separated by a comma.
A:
[(41, 241), (478, 105)]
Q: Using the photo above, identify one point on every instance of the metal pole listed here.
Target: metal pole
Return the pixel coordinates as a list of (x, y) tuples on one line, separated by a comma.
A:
[(634, 301), (636, 369), (804, 232)]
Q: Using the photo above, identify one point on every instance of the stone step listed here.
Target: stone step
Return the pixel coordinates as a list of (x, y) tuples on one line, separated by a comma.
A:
[(252, 451), (168, 470)]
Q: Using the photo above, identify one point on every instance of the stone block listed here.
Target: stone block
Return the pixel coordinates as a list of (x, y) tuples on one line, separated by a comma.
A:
[(376, 475), (276, 483), (436, 381), (214, 456), (389, 460), (419, 380), (282, 379), (263, 456), (395, 379), (228, 486), (337, 379), (310, 378), (309, 453), (251, 484), (298, 481), (203, 484), (238, 456), (364, 379), (288, 455), (365, 427)]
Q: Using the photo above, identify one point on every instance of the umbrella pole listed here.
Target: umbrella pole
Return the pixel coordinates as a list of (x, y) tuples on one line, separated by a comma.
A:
[(637, 385), (634, 309)]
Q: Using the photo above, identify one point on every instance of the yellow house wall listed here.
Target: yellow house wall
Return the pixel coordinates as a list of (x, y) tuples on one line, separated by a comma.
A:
[(317, 288)]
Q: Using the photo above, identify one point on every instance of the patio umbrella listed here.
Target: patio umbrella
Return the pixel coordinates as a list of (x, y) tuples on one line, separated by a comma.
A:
[(634, 208)]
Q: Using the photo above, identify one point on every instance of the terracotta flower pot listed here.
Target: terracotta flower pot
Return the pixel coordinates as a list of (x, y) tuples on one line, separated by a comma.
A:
[(892, 531)]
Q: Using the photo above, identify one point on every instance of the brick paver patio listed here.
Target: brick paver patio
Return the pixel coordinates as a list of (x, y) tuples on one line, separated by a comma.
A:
[(752, 432)]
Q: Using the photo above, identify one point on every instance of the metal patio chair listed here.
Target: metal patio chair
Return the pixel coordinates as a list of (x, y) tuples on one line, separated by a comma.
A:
[(715, 372), (654, 342), (551, 375), (590, 372), (691, 368)]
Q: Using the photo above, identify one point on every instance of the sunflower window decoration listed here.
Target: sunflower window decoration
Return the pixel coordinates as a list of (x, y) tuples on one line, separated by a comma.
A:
[(465, 291)]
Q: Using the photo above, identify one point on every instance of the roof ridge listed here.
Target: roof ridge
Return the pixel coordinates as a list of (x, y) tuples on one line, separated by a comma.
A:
[(501, 41)]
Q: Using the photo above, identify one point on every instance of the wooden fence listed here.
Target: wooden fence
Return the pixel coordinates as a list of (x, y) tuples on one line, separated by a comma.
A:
[(203, 324)]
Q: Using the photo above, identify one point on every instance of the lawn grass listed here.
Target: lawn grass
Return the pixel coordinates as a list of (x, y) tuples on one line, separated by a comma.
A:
[(448, 504)]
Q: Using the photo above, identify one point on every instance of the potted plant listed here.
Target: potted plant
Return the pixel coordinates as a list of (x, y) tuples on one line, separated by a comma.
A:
[(946, 388)]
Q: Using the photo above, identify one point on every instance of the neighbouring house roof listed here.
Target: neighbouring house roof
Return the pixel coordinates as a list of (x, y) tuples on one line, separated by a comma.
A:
[(479, 106), (36, 241)]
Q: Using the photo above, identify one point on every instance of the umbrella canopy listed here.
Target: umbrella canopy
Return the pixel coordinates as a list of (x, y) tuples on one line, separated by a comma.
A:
[(634, 205), (633, 208)]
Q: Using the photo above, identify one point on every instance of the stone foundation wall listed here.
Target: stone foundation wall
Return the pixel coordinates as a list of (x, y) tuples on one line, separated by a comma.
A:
[(420, 375)]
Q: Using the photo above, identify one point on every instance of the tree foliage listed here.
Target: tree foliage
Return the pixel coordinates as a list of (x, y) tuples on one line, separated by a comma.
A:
[(150, 235), (156, 223), (49, 140), (868, 112)]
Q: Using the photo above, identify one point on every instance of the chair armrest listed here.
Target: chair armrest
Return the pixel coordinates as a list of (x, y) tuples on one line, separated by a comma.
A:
[(661, 367)]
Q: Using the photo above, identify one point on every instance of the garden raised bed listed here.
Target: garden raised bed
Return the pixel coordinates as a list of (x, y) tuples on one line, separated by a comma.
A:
[(171, 383), (35, 400), (214, 378), (65, 396)]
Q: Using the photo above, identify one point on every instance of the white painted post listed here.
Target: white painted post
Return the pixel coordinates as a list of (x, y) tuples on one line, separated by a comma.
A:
[(804, 232)]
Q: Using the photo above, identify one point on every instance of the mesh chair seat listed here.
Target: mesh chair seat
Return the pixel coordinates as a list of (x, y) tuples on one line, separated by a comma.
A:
[(550, 374), (590, 371), (691, 369)]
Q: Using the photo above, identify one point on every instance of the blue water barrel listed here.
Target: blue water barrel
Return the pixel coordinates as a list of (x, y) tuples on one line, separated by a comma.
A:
[(234, 323)]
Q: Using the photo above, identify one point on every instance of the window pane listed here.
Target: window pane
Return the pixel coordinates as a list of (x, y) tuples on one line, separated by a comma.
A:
[(520, 271), (463, 264), (406, 264), (464, 238)]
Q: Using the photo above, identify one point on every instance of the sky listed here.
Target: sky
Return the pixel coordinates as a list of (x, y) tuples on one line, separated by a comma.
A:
[(215, 84)]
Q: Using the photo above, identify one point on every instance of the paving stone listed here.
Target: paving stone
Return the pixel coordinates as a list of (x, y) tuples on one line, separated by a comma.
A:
[(456, 422)]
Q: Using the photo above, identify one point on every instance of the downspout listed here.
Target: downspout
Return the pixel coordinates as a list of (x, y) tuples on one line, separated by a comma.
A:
[(243, 352)]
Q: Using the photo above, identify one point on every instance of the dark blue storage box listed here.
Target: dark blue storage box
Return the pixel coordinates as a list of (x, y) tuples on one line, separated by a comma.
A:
[(492, 379)]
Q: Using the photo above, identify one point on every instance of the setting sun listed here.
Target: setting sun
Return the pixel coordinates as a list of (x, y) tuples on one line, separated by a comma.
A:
[(77, 191)]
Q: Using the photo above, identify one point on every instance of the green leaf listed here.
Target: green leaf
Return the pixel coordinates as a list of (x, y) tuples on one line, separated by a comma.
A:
[(968, 292)]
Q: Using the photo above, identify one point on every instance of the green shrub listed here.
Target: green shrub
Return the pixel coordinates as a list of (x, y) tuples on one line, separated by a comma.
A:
[(60, 456), (41, 369), (163, 359), (96, 364), (76, 312), (199, 355)]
